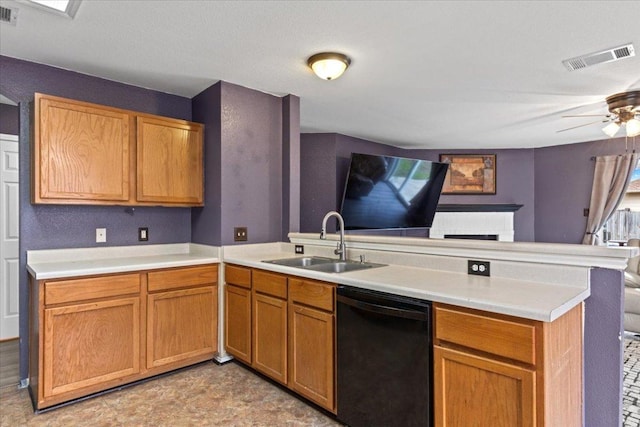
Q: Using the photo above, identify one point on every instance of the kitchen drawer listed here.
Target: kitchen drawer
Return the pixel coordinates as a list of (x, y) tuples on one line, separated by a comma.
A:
[(73, 290), (314, 294), (182, 277), (270, 284), (501, 335), (239, 276)]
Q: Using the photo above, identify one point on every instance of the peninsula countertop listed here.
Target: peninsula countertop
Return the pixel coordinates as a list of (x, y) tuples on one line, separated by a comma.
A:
[(521, 298)]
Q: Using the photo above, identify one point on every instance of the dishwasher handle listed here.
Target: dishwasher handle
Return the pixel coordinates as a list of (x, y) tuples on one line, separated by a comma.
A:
[(384, 309)]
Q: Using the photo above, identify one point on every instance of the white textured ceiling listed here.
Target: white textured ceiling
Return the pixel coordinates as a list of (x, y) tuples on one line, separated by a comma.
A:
[(444, 74)]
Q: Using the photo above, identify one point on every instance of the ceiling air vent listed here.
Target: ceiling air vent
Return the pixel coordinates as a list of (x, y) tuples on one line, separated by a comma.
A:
[(8, 15), (613, 54)]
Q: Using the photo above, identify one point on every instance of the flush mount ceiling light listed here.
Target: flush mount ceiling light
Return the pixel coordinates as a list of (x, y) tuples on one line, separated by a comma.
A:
[(625, 111), (329, 65)]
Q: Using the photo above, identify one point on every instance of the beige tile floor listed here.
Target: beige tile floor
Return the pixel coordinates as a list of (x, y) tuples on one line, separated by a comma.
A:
[(205, 395)]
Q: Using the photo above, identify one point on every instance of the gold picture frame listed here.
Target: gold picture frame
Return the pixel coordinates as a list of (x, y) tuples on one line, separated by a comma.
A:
[(469, 174)]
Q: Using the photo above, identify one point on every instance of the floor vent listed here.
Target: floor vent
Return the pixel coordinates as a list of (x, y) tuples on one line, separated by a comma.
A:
[(608, 55), (8, 15)]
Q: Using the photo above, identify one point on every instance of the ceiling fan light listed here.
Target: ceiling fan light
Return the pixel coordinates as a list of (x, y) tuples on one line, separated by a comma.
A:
[(633, 127), (329, 65), (611, 129)]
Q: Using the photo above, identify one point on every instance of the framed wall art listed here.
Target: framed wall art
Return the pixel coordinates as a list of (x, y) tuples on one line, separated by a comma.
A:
[(470, 174)]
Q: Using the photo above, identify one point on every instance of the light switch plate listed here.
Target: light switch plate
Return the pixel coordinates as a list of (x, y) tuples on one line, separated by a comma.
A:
[(101, 235), (240, 234), (143, 234)]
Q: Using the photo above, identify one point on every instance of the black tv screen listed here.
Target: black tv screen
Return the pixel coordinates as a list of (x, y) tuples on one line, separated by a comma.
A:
[(391, 192)]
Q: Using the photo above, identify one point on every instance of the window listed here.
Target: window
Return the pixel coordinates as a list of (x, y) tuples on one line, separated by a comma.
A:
[(624, 224)]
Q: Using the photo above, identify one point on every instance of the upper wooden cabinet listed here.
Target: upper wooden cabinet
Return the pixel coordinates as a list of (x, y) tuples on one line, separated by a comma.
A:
[(92, 154), (81, 152), (169, 163)]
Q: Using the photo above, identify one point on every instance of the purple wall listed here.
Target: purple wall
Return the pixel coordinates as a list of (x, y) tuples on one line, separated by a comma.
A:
[(323, 152), (514, 184), (205, 221), (251, 164), (290, 165), (244, 161), (563, 180), (9, 119), (603, 349), (51, 226), (324, 163)]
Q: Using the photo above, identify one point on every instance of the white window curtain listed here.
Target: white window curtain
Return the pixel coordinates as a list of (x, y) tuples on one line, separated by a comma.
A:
[(610, 181)]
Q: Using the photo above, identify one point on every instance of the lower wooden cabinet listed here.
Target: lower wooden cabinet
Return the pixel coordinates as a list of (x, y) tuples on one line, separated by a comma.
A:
[(237, 309), (479, 391), (181, 323), (312, 341), (89, 344), (498, 370), (269, 305), (89, 334), (291, 333)]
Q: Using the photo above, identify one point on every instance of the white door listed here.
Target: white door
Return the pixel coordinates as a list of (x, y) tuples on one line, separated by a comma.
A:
[(9, 262)]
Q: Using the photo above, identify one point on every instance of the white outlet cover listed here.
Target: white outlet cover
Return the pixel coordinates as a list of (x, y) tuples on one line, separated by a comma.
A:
[(101, 235)]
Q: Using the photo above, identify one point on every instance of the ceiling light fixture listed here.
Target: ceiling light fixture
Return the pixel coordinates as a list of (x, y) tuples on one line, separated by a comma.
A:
[(329, 65), (611, 129), (67, 8), (633, 127), (625, 108)]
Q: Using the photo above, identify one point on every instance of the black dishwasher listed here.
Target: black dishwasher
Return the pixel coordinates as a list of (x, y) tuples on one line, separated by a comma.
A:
[(384, 359)]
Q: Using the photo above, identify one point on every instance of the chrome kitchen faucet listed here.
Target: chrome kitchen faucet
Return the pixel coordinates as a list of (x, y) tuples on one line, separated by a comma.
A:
[(341, 249)]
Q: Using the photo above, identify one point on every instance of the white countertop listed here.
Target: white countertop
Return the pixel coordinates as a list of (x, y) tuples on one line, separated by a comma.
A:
[(61, 263), (522, 298), (532, 288)]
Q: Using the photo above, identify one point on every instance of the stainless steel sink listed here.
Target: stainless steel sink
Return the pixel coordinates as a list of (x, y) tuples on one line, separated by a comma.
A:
[(302, 262), (326, 265), (344, 266)]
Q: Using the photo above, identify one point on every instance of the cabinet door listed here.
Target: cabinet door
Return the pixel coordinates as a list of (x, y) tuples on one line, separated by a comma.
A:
[(169, 162), (311, 357), (475, 391), (181, 325), (237, 305), (88, 344), (81, 153), (270, 336)]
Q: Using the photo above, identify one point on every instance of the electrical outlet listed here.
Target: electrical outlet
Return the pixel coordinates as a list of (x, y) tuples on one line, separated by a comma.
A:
[(240, 234), (101, 235), (478, 268), (299, 249), (143, 234)]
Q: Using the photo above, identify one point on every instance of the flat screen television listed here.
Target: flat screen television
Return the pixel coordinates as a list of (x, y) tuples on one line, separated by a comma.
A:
[(385, 192)]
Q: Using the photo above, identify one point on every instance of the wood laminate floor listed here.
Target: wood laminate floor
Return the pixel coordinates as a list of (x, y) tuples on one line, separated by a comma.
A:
[(210, 395), (9, 363), (205, 395)]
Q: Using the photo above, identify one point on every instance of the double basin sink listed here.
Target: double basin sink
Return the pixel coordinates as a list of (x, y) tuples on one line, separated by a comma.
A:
[(323, 264)]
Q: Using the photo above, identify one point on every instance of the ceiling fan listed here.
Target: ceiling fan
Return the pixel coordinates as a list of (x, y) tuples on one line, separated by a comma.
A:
[(624, 111)]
